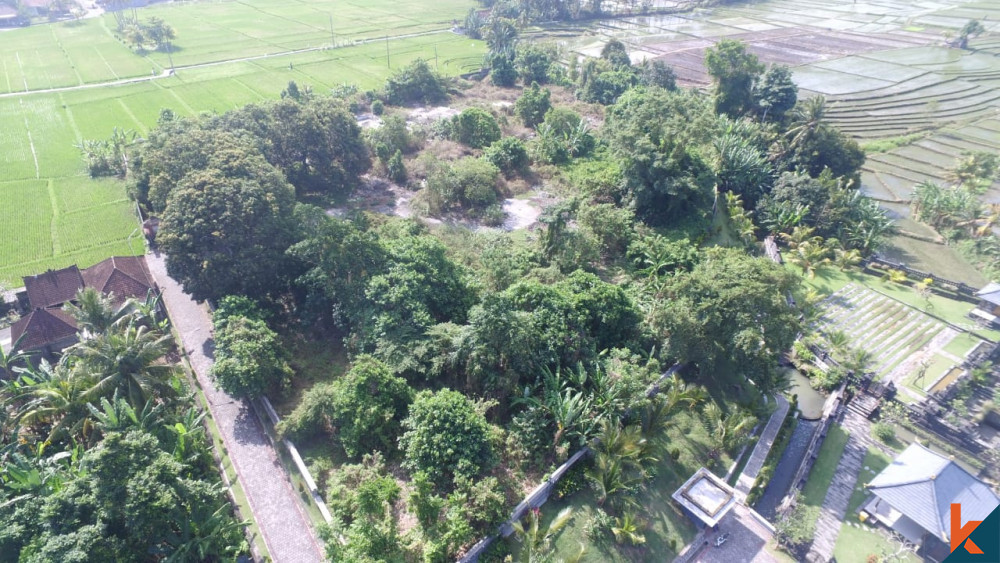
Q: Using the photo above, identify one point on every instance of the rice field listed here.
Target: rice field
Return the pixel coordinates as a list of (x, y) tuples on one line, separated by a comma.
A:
[(900, 339), (55, 215)]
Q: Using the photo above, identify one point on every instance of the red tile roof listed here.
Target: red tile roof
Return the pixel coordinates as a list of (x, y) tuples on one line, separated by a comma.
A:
[(53, 287), (123, 276), (43, 327)]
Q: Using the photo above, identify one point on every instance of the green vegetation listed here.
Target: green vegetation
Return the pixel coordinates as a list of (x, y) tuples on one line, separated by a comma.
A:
[(825, 466), (858, 541), (103, 453)]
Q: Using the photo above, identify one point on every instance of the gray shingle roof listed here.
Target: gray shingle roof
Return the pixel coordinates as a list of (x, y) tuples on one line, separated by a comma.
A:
[(990, 293), (922, 484)]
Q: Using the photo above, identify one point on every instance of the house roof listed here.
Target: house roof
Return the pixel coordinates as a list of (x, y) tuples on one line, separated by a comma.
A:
[(990, 293), (43, 327), (53, 287), (922, 485), (123, 276)]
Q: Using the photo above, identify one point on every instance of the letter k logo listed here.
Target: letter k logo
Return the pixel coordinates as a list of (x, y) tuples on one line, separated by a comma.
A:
[(960, 533)]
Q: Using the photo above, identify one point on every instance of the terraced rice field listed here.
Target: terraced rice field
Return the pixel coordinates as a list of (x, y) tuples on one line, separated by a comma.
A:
[(898, 337)]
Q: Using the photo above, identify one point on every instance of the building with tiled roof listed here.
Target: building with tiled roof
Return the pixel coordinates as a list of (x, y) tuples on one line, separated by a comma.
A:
[(47, 327), (914, 494), (53, 288), (122, 277), (45, 330)]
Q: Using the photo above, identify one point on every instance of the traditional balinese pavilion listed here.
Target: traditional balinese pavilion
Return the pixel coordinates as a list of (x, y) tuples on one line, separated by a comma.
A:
[(914, 494), (706, 497)]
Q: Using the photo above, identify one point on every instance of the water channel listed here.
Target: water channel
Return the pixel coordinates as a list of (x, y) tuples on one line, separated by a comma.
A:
[(810, 411)]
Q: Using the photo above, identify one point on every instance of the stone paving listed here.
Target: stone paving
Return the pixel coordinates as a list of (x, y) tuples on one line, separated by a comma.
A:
[(747, 541), (279, 513), (763, 447), (838, 496)]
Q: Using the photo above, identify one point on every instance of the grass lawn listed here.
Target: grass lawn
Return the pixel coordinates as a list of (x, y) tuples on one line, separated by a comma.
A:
[(857, 541), (875, 461), (826, 465), (961, 345)]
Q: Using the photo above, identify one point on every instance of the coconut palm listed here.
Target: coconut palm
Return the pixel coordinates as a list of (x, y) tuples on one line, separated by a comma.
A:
[(51, 397), (628, 529), (94, 312), (810, 256), (12, 359), (839, 341), (126, 359), (536, 539), (726, 431), (807, 117), (611, 477)]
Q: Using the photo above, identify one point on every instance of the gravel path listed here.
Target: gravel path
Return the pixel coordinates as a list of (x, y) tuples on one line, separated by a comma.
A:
[(276, 508)]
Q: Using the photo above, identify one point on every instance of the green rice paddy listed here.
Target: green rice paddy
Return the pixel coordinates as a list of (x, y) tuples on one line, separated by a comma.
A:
[(55, 215)]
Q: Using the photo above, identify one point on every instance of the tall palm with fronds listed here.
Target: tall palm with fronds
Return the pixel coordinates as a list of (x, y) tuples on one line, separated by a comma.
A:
[(726, 431), (536, 539), (94, 312), (52, 399), (839, 341), (126, 359), (809, 256), (12, 359), (807, 118), (858, 360)]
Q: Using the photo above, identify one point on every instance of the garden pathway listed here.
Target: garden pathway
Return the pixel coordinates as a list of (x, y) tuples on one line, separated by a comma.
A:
[(763, 447), (276, 508), (838, 496)]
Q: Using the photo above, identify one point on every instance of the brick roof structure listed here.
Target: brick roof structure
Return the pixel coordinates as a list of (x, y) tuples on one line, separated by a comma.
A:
[(54, 287), (43, 327), (120, 276)]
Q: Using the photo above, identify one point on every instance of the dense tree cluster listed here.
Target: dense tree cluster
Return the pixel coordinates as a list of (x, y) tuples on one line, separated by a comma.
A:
[(474, 356), (102, 457)]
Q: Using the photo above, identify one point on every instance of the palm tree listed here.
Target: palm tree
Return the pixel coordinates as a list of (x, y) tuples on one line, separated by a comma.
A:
[(610, 477), (94, 312), (628, 529), (839, 341), (536, 540), (125, 359), (726, 430), (809, 256), (807, 117), (10, 360), (50, 396), (846, 258), (858, 360)]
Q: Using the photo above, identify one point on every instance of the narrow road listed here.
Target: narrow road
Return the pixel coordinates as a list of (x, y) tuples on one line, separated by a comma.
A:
[(286, 529)]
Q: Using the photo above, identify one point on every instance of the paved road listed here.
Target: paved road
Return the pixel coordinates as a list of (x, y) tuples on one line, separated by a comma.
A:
[(286, 529)]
